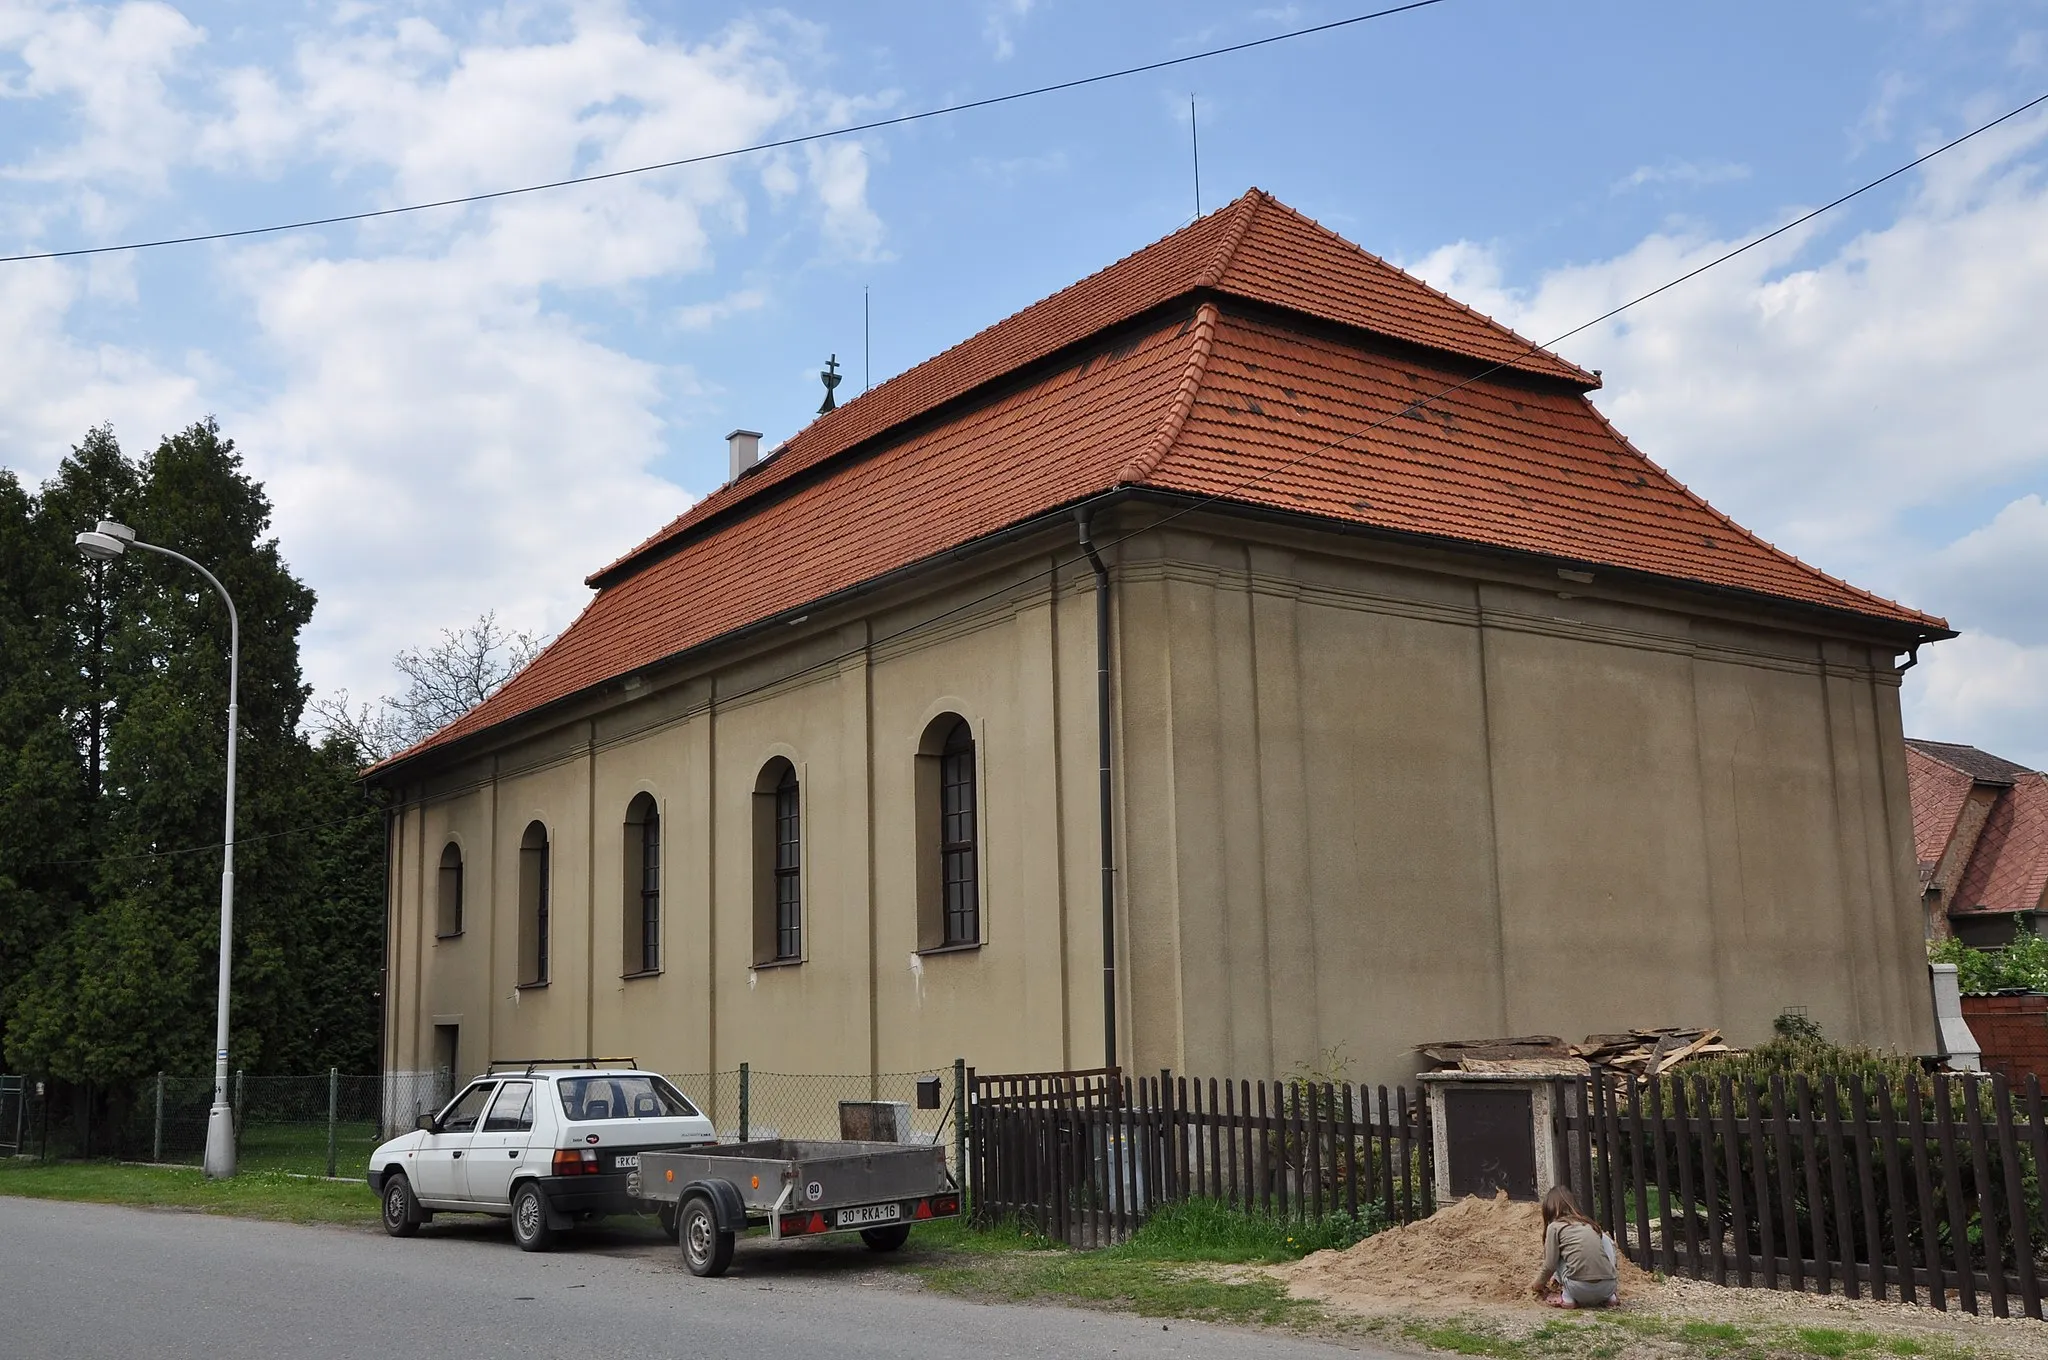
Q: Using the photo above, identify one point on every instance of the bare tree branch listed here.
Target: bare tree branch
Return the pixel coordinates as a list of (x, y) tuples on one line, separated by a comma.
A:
[(467, 666)]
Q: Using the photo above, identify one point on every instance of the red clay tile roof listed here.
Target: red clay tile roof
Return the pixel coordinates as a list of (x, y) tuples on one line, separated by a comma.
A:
[(1317, 425), (1981, 766), (1937, 791), (1208, 400), (1255, 248), (2009, 869)]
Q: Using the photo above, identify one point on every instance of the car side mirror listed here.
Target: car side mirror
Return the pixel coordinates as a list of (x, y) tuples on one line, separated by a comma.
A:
[(427, 1124)]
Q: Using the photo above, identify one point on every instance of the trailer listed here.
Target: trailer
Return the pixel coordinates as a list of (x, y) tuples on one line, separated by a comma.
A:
[(795, 1188)]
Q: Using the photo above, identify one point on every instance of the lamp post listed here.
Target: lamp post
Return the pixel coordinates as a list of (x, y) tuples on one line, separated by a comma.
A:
[(104, 542)]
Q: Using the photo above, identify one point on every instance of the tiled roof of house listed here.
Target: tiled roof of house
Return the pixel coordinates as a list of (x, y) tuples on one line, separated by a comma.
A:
[(1279, 377), (1938, 791), (1981, 766), (1255, 248), (2009, 870)]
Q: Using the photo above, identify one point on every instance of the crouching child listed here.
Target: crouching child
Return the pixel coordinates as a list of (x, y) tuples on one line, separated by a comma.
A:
[(1577, 1255)]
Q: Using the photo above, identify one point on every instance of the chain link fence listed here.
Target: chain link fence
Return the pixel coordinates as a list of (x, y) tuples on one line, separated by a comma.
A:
[(328, 1124)]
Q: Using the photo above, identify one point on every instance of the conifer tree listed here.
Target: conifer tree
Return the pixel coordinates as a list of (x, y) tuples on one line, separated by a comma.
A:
[(110, 973)]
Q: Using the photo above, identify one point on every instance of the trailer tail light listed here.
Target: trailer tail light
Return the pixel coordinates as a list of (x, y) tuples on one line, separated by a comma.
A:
[(942, 1205), (798, 1225), (576, 1162)]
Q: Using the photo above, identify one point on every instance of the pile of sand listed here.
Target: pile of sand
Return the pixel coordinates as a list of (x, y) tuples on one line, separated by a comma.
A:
[(1472, 1251)]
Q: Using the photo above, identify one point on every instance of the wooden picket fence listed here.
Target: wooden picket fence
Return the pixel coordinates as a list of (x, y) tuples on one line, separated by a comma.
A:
[(1932, 1193), (1086, 1156)]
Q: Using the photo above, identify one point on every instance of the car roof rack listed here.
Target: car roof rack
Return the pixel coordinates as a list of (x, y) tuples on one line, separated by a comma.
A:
[(531, 1063)]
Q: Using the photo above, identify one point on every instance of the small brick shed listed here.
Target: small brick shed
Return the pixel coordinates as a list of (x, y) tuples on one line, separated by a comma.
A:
[(2013, 1031)]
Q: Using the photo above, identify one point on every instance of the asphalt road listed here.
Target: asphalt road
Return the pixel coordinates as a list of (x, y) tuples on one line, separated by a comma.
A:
[(82, 1281)]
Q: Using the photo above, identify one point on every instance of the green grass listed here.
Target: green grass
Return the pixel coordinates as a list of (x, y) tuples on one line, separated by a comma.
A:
[(1461, 1339), (303, 1147), (1148, 1288), (1166, 1269), (1204, 1230), (253, 1194)]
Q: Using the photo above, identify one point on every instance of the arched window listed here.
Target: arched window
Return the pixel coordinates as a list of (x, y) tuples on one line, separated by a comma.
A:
[(448, 903), (533, 906), (642, 904), (949, 837), (778, 865)]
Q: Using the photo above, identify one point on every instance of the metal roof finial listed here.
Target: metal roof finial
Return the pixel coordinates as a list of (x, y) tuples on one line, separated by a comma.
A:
[(830, 377)]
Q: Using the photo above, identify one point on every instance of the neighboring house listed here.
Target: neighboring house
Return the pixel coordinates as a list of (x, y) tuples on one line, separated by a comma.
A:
[(1433, 709), (1980, 832)]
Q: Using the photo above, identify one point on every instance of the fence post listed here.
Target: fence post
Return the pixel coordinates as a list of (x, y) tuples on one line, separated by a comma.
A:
[(744, 1111), (239, 1108), (960, 1119), (156, 1140), (333, 1101)]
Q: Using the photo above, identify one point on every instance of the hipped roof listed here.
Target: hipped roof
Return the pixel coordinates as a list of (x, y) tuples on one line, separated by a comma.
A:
[(2007, 869), (1252, 357)]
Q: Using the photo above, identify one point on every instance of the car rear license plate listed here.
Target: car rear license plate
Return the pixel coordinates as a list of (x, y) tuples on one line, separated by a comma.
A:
[(870, 1213), (626, 1161)]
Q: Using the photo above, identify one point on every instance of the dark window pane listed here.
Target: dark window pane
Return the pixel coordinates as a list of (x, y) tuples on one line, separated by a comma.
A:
[(961, 895), (540, 923), (788, 869), (650, 893)]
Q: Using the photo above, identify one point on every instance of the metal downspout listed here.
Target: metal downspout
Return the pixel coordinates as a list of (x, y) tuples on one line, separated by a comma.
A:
[(1102, 743)]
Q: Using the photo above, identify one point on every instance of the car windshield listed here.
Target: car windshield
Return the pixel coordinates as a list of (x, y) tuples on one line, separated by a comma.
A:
[(623, 1096)]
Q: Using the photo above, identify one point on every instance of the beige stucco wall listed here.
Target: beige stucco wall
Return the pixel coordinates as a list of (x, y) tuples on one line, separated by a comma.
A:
[(1376, 805), (847, 704), (1368, 797)]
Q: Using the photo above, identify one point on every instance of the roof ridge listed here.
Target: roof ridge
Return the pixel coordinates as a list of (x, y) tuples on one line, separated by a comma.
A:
[(1142, 465), (1249, 203), (1467, 308)]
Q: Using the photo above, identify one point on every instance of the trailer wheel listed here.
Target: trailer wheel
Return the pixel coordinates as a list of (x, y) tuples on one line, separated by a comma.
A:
[(707, 1248), (886, 1239)]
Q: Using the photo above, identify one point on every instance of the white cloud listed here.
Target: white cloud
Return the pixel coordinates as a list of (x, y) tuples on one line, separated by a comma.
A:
[(701, 316), (1869, 402), (1000, 21), (438, 431), (1983, 690), (1685, 174), (111, 69), (54, 388)]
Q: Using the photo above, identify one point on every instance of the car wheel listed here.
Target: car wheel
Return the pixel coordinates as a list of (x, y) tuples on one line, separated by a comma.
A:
[(707, 1248), (530, 1219), (886, 1239), (401, 1208)]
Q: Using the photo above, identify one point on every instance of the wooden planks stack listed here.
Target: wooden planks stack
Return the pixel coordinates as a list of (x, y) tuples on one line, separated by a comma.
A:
[(1648, 1052)]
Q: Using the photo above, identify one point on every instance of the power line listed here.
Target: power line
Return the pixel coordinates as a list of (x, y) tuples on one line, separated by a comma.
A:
[(1418, 404), (710, 156)]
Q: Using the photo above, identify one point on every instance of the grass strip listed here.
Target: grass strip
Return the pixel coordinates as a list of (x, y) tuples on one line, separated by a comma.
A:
[(253, 1194)]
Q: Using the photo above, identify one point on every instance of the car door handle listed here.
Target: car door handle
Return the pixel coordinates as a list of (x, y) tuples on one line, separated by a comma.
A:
[(513, 1153), (458, 1156)]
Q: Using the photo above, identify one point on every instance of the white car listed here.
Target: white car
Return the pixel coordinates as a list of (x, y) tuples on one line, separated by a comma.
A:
[(545, 1145)]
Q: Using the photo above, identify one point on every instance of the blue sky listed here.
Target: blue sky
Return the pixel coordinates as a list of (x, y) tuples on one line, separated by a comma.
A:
[(471, 408)]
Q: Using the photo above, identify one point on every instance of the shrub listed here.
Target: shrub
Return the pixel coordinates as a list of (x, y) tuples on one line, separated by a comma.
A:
[(1811, 1057), (2021, 966)]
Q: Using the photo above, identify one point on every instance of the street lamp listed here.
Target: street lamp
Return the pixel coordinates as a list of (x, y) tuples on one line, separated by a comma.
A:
[(104, 542)]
